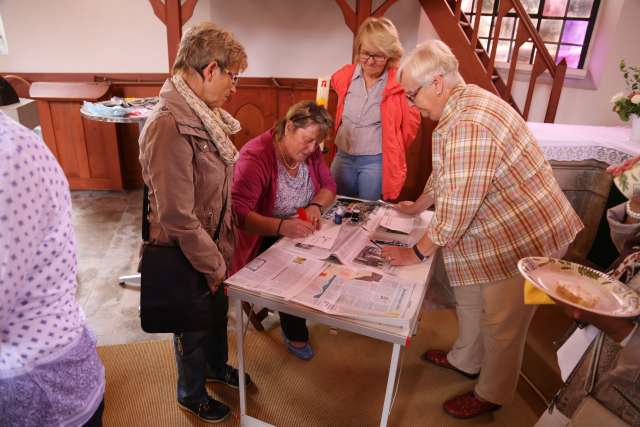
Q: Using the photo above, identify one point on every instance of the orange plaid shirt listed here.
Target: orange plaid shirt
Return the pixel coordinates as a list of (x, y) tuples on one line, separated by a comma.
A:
[(496, 199)]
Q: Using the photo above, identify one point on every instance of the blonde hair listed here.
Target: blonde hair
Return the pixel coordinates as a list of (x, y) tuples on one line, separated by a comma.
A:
[(205, 43), (381, 34), (303, 114), (430, 59)]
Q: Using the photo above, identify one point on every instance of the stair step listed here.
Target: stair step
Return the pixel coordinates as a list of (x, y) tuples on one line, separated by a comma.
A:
[(480, 50), (465, 24), (495, 77)]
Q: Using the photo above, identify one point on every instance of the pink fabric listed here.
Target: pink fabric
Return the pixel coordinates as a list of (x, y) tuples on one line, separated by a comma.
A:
[(255, 181), (400, 125)]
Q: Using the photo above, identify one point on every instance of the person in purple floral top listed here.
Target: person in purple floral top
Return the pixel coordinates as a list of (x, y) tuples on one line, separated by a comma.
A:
[(50, 372)]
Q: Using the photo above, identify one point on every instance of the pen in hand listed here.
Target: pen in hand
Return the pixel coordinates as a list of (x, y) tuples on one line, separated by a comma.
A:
[(303, 214)]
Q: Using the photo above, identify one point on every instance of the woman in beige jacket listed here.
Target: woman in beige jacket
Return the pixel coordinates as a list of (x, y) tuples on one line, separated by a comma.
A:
[(187, 160)]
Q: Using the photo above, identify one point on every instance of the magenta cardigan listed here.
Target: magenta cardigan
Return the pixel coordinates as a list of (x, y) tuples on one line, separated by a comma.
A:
[(255, 181)]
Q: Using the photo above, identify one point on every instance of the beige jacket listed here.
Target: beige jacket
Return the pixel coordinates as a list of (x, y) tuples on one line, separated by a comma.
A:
[(188, 184)]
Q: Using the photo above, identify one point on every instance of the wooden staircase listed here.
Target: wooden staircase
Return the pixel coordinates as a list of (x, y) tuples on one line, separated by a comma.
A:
[(477, 66)]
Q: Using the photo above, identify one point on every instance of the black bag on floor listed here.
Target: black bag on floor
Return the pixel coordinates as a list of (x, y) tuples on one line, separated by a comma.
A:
[(174, 296)]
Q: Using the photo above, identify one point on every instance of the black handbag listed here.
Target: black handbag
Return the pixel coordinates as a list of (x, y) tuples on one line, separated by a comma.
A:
[(174, 296)]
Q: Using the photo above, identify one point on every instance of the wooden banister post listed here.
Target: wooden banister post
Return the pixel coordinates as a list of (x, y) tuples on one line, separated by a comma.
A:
[(556, 90), (173, 15)]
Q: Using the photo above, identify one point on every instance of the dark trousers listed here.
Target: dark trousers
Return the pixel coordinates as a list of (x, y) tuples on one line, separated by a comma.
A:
[(199, 352), (293, 327)]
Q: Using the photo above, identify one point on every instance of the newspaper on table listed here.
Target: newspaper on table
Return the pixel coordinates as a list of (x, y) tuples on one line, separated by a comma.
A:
[(363, 288), (330, 288), (277, 272), (352, 247), (324, 238), (397, 221), (364, 295)]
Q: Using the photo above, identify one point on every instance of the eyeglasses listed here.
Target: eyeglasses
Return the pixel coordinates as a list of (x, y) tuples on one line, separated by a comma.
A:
[(233, 76), (411, 96), (365, 56)]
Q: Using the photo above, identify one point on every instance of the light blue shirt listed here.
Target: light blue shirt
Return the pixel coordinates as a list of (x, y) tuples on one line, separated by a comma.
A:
[(360, 132)]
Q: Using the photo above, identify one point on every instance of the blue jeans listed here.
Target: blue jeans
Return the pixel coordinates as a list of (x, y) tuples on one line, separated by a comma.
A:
[(358, 176), (198, 352)]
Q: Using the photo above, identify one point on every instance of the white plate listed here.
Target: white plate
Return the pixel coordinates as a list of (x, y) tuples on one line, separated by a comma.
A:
[(581, 286)]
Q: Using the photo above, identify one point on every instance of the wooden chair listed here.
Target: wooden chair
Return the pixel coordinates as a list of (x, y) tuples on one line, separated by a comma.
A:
[(19, 84), (255, 318)]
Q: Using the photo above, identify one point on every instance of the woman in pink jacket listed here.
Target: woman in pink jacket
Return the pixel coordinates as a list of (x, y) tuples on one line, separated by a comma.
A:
[(279, 172), (374, 123)]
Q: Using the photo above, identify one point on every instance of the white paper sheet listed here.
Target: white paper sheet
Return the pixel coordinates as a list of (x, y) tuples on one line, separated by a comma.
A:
[(397, 221), (324, 238), (572, 350)]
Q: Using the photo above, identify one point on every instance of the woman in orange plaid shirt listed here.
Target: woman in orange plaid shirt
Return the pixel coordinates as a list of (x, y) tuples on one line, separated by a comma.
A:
[(496, 201)]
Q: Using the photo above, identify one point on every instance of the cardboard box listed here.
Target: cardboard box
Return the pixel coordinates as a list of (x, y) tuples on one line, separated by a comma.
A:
[(24, 112)]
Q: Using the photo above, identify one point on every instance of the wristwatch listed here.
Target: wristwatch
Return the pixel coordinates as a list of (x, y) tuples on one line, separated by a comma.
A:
[(318, 205), (419, 254)]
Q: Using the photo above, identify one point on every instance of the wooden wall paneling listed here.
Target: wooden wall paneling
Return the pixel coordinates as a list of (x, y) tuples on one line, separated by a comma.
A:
[(101, 144), (47, 127), (69, 138), (255, 108), (418, 162), (136, 89), (129, 150)]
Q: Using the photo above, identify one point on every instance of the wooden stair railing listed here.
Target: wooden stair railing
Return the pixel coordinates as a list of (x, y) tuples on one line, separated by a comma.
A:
[(450, 21)]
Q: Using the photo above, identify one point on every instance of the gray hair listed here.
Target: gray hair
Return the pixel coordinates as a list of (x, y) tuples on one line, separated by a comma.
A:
[(430, 59), (205, 43)]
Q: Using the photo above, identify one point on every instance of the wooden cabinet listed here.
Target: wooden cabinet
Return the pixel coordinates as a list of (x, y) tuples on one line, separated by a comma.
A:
[(87, 150)]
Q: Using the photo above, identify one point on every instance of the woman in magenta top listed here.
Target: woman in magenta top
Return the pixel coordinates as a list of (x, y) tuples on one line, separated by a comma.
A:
[(277, 173)]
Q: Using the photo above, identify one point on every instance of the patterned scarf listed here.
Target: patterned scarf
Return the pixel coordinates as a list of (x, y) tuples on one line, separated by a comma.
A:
[(218, 123)]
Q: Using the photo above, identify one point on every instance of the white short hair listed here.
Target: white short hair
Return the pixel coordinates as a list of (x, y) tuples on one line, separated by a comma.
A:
[(430, 59)]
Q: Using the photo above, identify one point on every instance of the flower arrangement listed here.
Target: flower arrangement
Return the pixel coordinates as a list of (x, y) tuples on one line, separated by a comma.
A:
[(626, 105)]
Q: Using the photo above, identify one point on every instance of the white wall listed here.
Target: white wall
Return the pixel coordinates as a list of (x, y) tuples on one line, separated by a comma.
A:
[(286, 38), (297, 38), (77, 36), (283, 38)]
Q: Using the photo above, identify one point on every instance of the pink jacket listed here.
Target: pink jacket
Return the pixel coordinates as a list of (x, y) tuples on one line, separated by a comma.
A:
[(400, 125), (255, 182)]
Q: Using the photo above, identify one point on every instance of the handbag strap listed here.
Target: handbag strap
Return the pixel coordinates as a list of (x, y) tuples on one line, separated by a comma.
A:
[(145, 214), (146, 209)]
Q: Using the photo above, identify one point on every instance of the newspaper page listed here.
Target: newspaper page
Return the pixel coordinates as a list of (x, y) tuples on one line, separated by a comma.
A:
[(397, 221), (323, 291), (376, 297), (365, 295), (324, 238), (278, 273)]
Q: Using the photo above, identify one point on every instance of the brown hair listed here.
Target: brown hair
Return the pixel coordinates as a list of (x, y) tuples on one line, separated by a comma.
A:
[(303, 114), (381, 34), (205, 43)]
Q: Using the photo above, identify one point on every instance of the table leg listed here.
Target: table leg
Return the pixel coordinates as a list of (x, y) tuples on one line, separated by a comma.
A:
[(240, 346), (391, 381)]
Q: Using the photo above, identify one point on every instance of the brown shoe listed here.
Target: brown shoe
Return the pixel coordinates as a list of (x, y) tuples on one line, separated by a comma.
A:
[(439, 358), (468, 405)]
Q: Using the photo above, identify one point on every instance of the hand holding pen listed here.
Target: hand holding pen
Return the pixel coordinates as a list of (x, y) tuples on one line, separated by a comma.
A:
[(310, 214)]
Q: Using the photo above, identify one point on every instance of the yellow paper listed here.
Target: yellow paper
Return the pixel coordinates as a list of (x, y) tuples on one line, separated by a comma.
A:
[(534, 296)]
